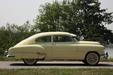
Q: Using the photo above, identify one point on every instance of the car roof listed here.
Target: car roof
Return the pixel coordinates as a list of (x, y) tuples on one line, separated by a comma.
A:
[(32, 38), (52, 33)]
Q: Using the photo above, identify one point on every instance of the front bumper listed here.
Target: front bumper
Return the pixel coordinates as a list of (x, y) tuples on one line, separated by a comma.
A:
[(105, 55)]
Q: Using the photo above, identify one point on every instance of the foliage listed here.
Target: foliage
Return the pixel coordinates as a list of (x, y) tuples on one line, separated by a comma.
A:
[(81, 17), (11, 34)]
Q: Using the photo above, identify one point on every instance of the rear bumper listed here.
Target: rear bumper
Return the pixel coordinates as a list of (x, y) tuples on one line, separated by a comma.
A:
[(7, 55)]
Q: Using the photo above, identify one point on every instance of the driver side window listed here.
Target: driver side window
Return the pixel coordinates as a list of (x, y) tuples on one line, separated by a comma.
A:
[(62, 38)]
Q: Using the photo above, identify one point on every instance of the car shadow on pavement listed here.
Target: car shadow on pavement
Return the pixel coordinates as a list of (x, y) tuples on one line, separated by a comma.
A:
[(62, 64)]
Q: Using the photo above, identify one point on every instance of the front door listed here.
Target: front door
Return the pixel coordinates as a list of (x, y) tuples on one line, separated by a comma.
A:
[(64, 47)]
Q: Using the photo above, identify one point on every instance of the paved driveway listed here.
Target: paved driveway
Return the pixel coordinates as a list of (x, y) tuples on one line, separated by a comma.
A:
[(52, 64)]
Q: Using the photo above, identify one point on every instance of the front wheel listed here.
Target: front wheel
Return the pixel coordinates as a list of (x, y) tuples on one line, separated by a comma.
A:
[(92, 58), (30, 61)]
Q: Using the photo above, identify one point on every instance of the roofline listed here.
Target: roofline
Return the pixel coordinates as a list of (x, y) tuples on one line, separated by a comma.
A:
[(53, 33), (33, 37)]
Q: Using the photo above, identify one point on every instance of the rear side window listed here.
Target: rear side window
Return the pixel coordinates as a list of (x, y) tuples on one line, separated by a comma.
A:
[(44, 39), (62, 38)]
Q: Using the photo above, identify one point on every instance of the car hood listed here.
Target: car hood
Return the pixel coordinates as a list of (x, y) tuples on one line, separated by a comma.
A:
[(89, 42)]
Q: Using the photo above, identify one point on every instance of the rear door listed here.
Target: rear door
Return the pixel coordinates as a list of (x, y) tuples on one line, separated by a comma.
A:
[(46, 43)]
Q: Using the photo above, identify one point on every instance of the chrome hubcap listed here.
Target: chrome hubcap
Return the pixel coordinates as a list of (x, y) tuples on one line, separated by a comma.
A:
[(30, 61), (92, 58)]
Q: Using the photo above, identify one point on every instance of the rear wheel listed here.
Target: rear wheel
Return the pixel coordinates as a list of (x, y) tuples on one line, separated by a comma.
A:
[(30, 61), (92, 58)]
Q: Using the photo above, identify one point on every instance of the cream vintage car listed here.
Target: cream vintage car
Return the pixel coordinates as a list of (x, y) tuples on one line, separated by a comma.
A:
[(56, 46)]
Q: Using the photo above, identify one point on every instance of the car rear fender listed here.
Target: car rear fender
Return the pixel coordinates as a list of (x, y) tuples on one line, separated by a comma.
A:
[(27, 51)]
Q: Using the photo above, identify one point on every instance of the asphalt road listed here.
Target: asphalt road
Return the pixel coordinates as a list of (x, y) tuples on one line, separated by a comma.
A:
[(52, 64)]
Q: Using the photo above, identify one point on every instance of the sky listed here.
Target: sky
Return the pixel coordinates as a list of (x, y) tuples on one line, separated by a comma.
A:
[(20, 11)]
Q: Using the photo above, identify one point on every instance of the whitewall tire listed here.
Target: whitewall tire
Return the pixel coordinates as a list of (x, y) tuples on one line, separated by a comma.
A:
[(92, 58), (30, 61)]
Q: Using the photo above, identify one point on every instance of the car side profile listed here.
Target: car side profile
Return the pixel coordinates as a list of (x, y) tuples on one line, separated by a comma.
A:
[(49, 46)]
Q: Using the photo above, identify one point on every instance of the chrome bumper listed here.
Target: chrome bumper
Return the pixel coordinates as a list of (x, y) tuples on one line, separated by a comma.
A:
[(105, 55), (6, 54)]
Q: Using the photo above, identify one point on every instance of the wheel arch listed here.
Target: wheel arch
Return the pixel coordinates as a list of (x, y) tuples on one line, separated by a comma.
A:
[(91, 52)]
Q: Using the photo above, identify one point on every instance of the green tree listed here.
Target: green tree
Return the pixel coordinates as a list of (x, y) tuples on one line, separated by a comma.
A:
[(81, 17), (11, 34)]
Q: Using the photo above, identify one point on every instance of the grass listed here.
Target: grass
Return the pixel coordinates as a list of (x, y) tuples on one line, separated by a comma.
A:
[(4, 58), (56, 72), (107, 60), (110, 59)]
